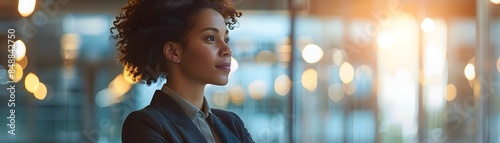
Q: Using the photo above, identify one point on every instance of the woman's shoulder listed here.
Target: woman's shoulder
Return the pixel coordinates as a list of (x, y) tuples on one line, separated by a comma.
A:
[(146, 124), (147, 115)]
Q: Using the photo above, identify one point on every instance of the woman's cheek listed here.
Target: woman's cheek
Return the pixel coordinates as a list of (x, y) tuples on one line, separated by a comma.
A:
[(203, 55)]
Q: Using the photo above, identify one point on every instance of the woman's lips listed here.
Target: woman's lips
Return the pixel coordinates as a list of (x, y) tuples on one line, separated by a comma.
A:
[(225, 67)]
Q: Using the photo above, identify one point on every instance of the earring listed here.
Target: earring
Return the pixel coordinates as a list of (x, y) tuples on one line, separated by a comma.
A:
[(178, 61)]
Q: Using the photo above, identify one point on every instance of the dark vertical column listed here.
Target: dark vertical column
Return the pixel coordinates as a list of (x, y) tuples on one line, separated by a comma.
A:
[(291, 101), (483, 69), (422, 116), (88, 104)]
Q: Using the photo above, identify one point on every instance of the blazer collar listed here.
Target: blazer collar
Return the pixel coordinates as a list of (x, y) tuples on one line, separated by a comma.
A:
[(167, 106), (172, 111), (224, 133)]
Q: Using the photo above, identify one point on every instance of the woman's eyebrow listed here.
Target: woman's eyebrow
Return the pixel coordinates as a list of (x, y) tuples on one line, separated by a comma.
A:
[(213, 29)]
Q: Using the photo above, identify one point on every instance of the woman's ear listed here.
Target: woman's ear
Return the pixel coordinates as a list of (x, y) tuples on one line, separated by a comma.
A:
[(172, 52)]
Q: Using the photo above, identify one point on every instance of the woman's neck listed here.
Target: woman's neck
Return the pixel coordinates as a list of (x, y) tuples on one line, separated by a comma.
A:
[(189, 90)]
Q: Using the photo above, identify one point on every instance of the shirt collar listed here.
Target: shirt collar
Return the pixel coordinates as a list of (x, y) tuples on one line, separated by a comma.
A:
[(187, 107)]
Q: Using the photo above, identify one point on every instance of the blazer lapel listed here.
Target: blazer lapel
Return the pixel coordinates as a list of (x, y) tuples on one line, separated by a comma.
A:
[(173, 112), (223, 132)]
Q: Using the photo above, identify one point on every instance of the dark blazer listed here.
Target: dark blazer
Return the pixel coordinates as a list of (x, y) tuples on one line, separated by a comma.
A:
[(163, 121)]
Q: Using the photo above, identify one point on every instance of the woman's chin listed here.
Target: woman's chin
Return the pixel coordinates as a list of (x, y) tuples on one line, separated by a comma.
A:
[(220, 83)]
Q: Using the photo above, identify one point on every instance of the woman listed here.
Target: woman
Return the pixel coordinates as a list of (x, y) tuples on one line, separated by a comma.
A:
[(184, 41)]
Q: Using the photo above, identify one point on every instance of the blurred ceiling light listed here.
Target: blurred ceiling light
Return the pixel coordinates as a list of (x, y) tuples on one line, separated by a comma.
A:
[(70, 44), (451, 92), (220, 98), (346, 72), (41, 92), (469, 72), (282, 85), (310, 79), (26, 7), (335, 92), (338, 57), (20, 50), (237, 95), (31, 82), (257, 89), (385, 40), (312, 53), (428, 25), (234, 65), (495, 1)]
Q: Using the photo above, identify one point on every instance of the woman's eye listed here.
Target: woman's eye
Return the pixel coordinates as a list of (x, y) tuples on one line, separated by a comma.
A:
[(210, 38), (226, 40)]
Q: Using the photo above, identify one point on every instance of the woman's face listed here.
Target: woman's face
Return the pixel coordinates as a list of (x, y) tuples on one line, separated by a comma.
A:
[(206, 56)]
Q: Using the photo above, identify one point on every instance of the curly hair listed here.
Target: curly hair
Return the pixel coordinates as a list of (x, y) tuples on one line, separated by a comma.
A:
[(144, 26)]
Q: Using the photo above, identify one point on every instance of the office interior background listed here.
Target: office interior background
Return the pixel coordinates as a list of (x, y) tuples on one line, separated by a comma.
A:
[(339, 71)]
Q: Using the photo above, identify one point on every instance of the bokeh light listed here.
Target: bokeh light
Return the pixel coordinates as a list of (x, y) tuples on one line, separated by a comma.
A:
[(70, 45), (26, 7), (20, 50), (346, 72), (350, 88), (451, 92), (284, 52), (31, 82), (338, 57), (469, 72), (282, 85), (428, 25), (220, 98), (23, 62), (118, 87), (265, 57), (312, 53), (385, 40), (335, 92), (104, 98), (363, 72), (495, 1), (237, 95), (18, 73), (41, 91), (234, 65), (476, 88), (257, 89), (310, 79)]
